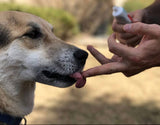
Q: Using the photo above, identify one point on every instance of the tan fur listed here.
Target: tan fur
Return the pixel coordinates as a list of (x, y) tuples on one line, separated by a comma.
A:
[(23, 60)]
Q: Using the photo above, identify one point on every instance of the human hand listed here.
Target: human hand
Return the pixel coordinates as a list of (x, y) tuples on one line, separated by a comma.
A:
[(127, 38), (129, 60)]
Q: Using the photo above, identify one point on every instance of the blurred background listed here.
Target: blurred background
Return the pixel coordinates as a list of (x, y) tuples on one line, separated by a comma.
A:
[(107, 99)]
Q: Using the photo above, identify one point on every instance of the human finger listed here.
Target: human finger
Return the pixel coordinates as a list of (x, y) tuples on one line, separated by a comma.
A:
[(134, 41), (120, 49), (100, 57), (117, 27), (125, 35), (105, 69), (143, 29)]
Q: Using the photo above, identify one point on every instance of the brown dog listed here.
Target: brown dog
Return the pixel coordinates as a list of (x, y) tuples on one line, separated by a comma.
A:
[(29, 53)]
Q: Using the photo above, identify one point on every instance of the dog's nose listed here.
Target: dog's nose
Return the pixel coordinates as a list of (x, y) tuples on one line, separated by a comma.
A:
[(80, 55)]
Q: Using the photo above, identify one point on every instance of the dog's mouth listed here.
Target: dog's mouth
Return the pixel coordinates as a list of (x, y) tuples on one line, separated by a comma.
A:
[(57, 76), (56, 79)]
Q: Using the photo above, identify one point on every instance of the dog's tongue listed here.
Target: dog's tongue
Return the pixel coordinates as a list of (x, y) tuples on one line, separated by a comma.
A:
[(81, 81)]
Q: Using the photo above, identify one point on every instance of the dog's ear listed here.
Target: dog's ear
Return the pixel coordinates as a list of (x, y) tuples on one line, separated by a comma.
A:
[(4, 36)]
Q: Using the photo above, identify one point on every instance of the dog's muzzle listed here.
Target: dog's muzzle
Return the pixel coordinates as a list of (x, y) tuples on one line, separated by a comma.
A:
[(60, 75)]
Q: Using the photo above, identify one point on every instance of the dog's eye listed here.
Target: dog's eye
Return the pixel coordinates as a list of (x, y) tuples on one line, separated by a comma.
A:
[(34, 34)]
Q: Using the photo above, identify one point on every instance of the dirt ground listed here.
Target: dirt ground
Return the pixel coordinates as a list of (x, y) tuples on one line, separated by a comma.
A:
[(108, 99)]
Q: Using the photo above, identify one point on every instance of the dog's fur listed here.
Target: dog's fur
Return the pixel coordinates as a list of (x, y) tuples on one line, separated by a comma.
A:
[(29, 53)]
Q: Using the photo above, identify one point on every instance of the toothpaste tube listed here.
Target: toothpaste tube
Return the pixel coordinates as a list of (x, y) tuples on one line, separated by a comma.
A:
[(121, 15)]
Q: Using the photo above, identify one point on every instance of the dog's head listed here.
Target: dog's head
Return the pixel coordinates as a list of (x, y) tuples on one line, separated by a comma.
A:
[(29, 47)]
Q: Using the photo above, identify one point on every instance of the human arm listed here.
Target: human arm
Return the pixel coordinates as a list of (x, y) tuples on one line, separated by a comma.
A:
[(151, 13)]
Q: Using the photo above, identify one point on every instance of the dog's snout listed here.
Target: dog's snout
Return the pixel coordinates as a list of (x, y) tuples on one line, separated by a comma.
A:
[(80, 55)]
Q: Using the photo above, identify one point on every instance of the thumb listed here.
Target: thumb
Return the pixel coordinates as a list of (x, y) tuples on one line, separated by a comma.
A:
[(142, 29)]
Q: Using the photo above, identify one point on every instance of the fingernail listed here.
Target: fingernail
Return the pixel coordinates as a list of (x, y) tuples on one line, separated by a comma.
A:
[(127, 27)]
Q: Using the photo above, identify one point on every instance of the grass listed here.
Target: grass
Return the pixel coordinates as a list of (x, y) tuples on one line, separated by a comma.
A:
[(132, 5), (64, 23)]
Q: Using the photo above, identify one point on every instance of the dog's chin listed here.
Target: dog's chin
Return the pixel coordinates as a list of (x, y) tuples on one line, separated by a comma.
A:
[(55, 79)]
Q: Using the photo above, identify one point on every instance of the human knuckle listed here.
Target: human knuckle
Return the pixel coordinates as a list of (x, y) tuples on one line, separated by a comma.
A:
[(154, 25), (111, 48), (138, 26), (137, 60)]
